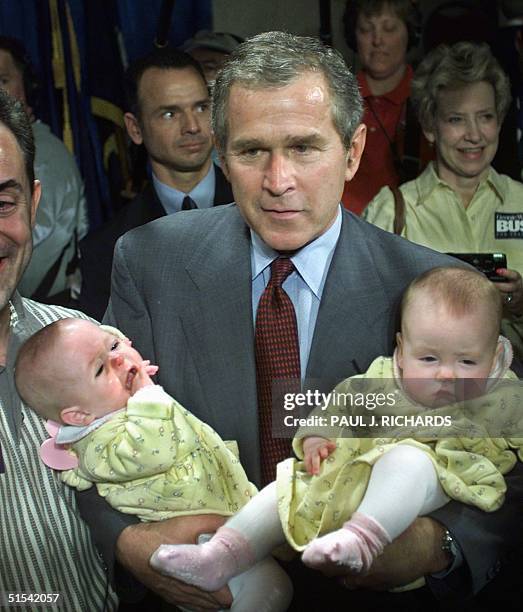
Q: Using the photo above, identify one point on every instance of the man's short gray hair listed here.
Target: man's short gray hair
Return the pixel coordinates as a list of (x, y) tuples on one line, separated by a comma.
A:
[(276, 59), (451, 67)]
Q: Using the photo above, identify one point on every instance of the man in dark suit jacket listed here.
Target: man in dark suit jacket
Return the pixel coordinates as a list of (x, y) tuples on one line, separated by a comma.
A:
[(286, 117), (169, 114)]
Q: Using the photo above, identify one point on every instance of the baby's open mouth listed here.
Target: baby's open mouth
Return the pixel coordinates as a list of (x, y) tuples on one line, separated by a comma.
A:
[(130, 377)]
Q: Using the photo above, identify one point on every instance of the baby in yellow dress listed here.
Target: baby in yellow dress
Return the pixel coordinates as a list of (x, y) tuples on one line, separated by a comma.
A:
[(350, 497), (146, 454)]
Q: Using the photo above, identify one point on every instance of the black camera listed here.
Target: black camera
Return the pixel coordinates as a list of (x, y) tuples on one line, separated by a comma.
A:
[(487, 263)]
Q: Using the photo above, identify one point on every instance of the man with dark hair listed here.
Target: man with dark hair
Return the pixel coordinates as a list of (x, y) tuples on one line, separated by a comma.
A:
[(169, 113), (61, 219), (45, 546), (225, 301)]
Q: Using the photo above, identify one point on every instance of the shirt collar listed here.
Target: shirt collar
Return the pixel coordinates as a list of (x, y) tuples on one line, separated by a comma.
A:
[(202, 194), (21, 326), (397, 96), (428, 181), (16, 327), (17, 309), (310, 261), (497, 182), (69, 434)]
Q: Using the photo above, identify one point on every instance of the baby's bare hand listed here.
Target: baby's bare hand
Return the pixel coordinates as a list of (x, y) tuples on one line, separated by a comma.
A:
[(149, 368), (141, 378), (315, 450)]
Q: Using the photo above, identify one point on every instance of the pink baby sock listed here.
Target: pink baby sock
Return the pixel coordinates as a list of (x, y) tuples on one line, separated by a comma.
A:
[(208, 566), (355, 545)]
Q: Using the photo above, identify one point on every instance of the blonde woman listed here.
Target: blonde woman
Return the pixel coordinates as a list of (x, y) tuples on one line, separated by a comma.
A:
[(460, 203)]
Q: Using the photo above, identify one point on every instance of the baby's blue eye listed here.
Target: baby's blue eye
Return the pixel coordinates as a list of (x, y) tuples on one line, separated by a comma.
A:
[(99, 371), (115, 345)]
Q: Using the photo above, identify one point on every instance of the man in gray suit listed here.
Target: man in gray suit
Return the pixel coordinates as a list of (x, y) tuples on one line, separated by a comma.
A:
[(286, 118)]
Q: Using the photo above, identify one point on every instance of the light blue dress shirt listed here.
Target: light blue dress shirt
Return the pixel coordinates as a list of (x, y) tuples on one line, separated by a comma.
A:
[(304, 286), (202, 195)]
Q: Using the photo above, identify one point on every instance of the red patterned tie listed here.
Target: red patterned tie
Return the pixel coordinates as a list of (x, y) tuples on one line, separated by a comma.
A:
[(277, 356)]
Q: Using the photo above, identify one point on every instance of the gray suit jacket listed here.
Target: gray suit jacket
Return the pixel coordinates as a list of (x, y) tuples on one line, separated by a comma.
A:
[(182, 292), (187, 306), (97, 248)]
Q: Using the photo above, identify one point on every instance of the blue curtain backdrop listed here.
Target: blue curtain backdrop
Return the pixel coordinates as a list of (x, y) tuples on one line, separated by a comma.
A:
[(79, 50)]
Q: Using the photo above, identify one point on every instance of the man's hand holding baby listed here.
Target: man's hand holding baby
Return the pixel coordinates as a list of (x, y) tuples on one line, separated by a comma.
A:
[(315, 450)]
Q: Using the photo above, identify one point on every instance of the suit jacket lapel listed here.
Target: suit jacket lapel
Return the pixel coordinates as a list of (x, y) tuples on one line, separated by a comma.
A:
[(155, 208), (353, 301), (222, 337), (144, 208)]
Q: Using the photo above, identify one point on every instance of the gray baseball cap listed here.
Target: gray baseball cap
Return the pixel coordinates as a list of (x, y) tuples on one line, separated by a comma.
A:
[(217, 41)]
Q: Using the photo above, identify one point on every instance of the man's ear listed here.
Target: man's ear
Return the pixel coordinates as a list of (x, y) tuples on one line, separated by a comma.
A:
[(74, 415), (133, 128), (223, 161), (399, 349), (35, 199), (355, 151)]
